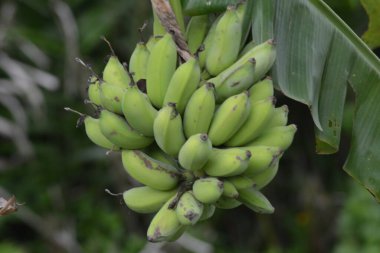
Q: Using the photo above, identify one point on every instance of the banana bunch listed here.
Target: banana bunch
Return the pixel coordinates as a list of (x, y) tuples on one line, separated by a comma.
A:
[(203, 134)]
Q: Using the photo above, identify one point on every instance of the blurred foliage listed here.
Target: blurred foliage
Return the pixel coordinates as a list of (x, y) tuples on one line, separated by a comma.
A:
[(372, 35), (64, 181)]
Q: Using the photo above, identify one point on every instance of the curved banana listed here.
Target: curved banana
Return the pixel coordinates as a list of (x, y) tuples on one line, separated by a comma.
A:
[(227, 162), (152, 42), (168, 130), (208, 211), (263, 178), (262, 158), (165, 224), (255, 200), (241, 181), (225, 42), (281, 137), (247, 47), (138, 110), (139, 61), (94, 133), (144, 199), (208, 42), (161, 66), (93, 91), (199, 110), (111, 96), (196, 32), (208, 190), (120, 133), (195, 152), (260, 113), (114, 73), (279, 118), (189, 209), (229, 117), (182, 84), (261, 90), (227, 203), (150, 172), (158, 29), (229, 190), (156, 153)]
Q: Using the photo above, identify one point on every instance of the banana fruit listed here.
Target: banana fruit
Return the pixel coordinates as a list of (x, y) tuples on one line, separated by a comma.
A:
[(195, 153)]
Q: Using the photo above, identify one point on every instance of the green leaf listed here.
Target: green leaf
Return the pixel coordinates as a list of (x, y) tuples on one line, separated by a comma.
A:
[(372, 35), (318, 56), (200, 7)]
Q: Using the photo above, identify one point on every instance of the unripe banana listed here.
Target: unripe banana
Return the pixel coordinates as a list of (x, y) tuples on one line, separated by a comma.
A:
[(261, 90), (120, 133), (208, 211), (241, 181), (247, 47), (168, 130), (208, 190), (145, 199), (225, 43), (183, 84), (138, 110), (158, 29), (227, 162), (139, 61), (208, 43), (238, 81), (115, 73), (255, 200), (150, 172), (227, 203), (111, 96), (93, 91), (189, 209), (161, 66), (177, 10), (279, 118), (199, 110), (229, 117), (152, 42), (164, 224), (177, 234), (156, 153), (229, 190), (281, 137), (260, 113), (95, 135), (262, 158), (263, 178), (196, 32), (195, 152)]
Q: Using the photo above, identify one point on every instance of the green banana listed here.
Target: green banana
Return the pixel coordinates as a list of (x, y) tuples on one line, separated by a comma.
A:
[(208, 211), (120, 133), (93, 131), (229, 117), (208, 190), (255, 200), (279, 118), (227, 203), (263, 178), (93, 91), (199, 110), (139, 61), (160, 69), (208, 43), (150, 172), (229, 190), (168, 130), (189, 209), (158, 29), (281, 137), (194, 154), (227, 162), (238, 81), (152, 42), (260, 113), (156, 153), (261, 90), (196, 32), (165, 224), (177, 10), (247, 47), (225, 42), (262, 158), (183, 84), (144, 199), (241, 181), (177, 234), (114, 73), (138, 110), (111, 96)]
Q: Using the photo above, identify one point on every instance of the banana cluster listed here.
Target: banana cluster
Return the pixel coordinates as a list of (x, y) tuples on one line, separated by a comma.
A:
[(203, 133)]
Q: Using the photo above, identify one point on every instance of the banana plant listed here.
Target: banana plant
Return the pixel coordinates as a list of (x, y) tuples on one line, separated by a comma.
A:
[(318, 59)]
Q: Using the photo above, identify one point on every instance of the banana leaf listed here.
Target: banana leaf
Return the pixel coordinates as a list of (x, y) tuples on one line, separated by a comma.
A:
[(318, 58)]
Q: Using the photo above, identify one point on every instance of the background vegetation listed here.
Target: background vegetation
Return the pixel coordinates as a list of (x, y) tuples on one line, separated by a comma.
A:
[(60, 176)]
